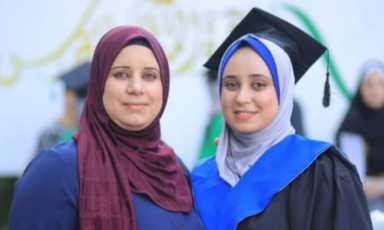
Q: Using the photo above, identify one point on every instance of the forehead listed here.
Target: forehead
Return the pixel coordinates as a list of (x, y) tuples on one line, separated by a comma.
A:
[(374, 76), (246, 59), (136, 54)]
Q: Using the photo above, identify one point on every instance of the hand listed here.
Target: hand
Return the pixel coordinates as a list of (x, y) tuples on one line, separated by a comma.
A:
[(217, 141), (373, 188)]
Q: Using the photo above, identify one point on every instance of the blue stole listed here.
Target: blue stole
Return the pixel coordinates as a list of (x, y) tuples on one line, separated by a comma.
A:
[(223, 207)]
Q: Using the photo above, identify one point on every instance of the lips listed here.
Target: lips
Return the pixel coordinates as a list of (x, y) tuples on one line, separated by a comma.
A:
[(244, 115), (135, 106)]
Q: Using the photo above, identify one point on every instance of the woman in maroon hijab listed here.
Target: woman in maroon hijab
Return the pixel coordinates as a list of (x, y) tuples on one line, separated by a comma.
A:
[(117, 173)]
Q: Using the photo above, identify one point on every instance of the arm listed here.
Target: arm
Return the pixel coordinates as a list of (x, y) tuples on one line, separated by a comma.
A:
[(374, 187)]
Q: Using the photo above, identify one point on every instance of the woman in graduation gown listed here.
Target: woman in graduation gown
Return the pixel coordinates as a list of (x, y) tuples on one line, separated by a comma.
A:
[(117, 173), (365, 117), (263, 176)]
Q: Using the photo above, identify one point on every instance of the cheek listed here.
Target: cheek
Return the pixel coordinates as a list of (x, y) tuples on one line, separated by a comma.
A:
[(112, 93), (227, 101), (380, 90), (380, 97), (155, 93), (365, 94), (268, 104)]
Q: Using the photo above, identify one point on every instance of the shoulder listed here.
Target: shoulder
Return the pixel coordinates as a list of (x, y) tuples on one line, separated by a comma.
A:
[(183, 167), (205, 167), (66, 151), (47, 193), (56, 166), (351, 121), (61, 155), (340, 162), (333, 163), (328, 160), (330, 172)]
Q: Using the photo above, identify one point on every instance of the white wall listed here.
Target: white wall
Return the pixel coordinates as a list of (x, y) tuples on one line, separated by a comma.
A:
[(37, 41)]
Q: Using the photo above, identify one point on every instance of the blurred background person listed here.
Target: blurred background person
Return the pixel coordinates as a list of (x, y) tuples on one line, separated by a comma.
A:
[(297, 119), (364, 123), (213, 130), (76, 84)]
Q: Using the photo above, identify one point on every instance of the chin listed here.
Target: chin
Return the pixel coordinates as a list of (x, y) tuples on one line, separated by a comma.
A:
[(245, 128), (375, 106)]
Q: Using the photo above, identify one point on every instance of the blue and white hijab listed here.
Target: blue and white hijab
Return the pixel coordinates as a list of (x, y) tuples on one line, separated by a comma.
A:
[(237, 152)]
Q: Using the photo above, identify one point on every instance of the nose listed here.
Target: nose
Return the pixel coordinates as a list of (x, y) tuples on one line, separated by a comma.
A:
[(243, 97), (135, 85)]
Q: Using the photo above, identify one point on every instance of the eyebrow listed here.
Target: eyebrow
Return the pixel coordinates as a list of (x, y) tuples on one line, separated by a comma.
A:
[(251, 75), (258, 75), (152, 68), (123, 66), (230, 76), (127, 67)]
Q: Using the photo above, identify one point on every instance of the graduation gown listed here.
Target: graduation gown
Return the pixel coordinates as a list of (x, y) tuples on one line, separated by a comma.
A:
[(297, 184)]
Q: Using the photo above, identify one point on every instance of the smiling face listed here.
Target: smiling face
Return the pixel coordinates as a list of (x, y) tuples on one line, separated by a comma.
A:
[(248, 98), (133, 93)]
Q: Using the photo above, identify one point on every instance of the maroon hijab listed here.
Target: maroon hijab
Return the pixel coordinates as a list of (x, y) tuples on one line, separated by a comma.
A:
[(114, 162)]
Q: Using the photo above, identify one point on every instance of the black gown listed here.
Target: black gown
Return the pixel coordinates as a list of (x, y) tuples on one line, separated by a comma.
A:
[(326, 196)]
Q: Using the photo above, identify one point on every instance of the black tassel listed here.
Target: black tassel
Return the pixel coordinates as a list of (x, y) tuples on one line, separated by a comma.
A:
[(327, 87)]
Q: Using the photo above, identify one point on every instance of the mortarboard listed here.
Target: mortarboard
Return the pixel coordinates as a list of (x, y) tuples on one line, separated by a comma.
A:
[(302, 49), (77, 79)]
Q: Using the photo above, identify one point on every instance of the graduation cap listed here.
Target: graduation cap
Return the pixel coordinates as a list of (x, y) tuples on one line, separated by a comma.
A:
[(77, 79), (302, 49), (211, 75)]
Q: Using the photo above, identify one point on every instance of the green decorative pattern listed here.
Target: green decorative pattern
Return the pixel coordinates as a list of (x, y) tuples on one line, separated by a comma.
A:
[(315, 33)]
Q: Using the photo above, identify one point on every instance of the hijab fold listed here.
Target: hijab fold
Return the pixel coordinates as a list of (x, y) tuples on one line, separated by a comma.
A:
[(113, 162)]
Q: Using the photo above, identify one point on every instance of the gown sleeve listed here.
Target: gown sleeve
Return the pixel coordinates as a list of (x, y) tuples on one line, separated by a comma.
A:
[(45, 196), (329, 195)]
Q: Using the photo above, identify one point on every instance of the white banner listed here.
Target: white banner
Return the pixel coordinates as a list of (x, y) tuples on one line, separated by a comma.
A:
[(41, 39)]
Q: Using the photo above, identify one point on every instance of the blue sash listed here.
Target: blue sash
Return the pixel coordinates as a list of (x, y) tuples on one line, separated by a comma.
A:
[(222, 207)]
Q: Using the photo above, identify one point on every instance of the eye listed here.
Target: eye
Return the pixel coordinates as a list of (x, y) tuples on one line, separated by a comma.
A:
[(120, 75), (231, 85), (149, 76), (258, 85)]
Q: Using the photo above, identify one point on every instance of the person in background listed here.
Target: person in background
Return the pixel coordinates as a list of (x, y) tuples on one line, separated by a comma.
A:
[(297, 119), (263, 175), (76, 84), (116, 173), (213, 130), (365, 117)]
